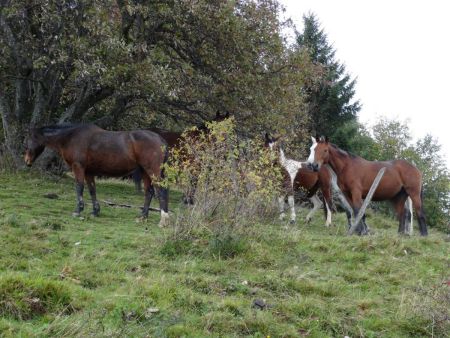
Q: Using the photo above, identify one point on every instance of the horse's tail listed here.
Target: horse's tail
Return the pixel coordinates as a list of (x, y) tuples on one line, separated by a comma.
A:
[(421, 195)]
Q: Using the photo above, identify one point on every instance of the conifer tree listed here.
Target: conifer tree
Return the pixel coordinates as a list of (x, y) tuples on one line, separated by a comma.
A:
[(331, 104)]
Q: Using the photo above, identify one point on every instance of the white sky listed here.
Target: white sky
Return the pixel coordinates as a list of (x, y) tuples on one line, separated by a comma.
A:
[(399, 52)]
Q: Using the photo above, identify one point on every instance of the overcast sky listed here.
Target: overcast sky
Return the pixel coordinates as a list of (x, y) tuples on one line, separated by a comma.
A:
[(399, 52)]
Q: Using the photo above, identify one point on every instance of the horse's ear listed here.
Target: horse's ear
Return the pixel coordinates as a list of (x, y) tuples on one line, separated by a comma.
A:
[(313, 139), (323, 139)]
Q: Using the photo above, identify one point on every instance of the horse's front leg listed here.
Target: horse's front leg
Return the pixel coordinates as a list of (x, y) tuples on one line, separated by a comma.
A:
[(90, 180), (291, 202), (281, 207), (356, 202), (78, 172)]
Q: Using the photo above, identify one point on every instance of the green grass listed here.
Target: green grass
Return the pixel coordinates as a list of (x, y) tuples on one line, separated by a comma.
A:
[(112, 276)]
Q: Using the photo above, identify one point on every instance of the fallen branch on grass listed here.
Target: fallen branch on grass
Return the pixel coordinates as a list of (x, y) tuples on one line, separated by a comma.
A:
[(121, 205)]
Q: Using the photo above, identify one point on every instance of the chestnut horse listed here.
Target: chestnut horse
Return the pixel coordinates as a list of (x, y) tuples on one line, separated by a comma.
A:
[(90, 151), (297, 175), (356, 175)]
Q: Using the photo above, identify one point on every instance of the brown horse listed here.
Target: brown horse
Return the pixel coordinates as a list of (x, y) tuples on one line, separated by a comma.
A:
[(356, 175), (91, 151), (175, 140), (298, 176)]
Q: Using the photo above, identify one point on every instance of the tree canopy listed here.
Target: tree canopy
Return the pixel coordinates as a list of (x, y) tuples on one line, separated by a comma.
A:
[(132, 63)]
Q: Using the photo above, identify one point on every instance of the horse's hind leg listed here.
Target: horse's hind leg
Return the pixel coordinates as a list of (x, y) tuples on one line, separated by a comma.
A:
[(149, 191), (137, 179), (399, 206), (90, 180), (78, 172), (328, 201), (417, 202), (316, 205), (163, 195)]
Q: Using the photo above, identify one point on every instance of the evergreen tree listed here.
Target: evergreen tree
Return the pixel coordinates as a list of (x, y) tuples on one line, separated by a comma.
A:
[(330, 103)]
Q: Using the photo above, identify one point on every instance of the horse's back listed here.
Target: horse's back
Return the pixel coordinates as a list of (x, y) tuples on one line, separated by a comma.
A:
[(148, 146), (118, 153), (306, 179), (399, 174), (172, 138)]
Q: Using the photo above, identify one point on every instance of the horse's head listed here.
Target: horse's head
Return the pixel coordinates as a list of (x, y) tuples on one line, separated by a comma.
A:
[(34, 146), (320, 152), (271, 142), (221, 117)]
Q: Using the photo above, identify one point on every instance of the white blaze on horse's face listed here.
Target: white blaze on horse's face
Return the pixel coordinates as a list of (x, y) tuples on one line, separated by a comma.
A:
[(271, 144), (312, 154)]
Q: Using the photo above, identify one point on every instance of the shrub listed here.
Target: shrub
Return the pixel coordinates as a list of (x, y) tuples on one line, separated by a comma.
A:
[(233, 183)]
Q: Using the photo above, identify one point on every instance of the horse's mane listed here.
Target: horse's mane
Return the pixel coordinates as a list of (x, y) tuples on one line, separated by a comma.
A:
[(343, 152), (59, 129)]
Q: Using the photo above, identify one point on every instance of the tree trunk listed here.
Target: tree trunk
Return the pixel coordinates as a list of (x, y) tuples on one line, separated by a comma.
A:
[(12, 132)]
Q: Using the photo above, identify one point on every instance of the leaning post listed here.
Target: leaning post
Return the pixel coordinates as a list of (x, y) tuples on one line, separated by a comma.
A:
[(367, 200)]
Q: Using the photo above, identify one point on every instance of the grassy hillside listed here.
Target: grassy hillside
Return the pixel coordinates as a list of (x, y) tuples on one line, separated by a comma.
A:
[(113, 276)]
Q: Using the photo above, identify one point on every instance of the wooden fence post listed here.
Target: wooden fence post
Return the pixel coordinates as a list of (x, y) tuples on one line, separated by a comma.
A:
[(367, 200)]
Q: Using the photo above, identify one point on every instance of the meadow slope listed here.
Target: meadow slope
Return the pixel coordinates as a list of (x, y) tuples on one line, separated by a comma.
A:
[(112, 276)]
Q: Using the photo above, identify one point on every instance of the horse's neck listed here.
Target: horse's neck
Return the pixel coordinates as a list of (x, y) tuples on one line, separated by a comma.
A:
[(53, 141), (283, 159), (337, 161), (291, 166)]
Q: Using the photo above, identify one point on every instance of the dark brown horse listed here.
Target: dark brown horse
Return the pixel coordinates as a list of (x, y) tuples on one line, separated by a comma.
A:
[(356, 175), (175, 140), (91, 151), (298, 176)]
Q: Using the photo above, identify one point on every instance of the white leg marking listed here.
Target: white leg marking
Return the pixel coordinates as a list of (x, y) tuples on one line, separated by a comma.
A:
[(164, 219), (281, 206), (316, 205), (292, 206), (328, 222)]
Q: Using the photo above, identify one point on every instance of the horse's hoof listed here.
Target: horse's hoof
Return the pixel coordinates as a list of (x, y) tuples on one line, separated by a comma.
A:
[(292, 221), (141, 219), (75, 214), (308, 220), (95, 214)]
